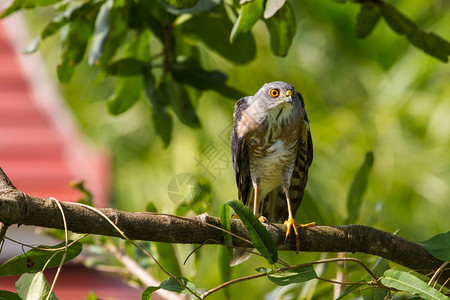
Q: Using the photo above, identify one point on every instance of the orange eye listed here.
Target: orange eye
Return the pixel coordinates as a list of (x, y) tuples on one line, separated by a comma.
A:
[(293, 93), (274, 93)]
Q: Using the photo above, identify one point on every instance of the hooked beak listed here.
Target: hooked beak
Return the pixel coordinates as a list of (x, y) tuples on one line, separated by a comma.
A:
[(288, 99)]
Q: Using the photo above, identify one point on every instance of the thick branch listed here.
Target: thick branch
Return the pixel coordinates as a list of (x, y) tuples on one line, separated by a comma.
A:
[(19, 208)]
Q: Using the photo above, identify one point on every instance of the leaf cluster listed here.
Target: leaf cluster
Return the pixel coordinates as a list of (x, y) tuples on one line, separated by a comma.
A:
[(153, 48)]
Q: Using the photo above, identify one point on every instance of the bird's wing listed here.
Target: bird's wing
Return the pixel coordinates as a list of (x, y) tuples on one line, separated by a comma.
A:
[(239, 154), (301, 168)]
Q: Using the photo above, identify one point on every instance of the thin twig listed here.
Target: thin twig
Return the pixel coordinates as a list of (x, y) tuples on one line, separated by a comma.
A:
[(66, 248), (345, 283), (225, 284), (195, 250), (134, 268), (46, 249), (3, 229), (444, 284), (139, 247), (336, 259), (438, 271), (215, 227), (280, 270)]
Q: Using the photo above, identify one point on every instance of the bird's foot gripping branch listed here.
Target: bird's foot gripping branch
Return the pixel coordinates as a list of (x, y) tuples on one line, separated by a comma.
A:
[(19, 208)]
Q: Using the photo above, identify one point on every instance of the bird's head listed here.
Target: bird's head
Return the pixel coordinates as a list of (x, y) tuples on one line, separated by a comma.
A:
[(278, 95)]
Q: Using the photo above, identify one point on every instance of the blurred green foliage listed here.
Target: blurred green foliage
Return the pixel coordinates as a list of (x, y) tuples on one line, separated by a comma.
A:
[(378, 94)]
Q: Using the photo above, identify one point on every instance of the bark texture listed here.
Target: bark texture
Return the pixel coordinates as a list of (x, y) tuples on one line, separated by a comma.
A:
[(19, 208)]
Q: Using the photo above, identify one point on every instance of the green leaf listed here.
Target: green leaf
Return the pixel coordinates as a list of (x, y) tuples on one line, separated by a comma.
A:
[(7, 295), (348, 290), (357, 189), (190, 72), (33, 286), (73, 47), (147, 293), (381, 266), (375, 293), (35, 259), (407, 282), (150, 207), (174, 286), (398, 22), (139, 46), (295, 275), (201, 7), (225, 268), (128, 91), (65, 70), (73, 11), (429, 42), (162, 120), (110, 28), (282, 27), (33, 46), (199, 199), (181, 4), (87, 197), (224, 216), (126, 67), (21, 4), (213, 30), (91, 296), (367, 18), (438, 246), (272, 6), (378, 269), (102, 28), (251, 12), (151, 14), (259, 236), (181, 103), (263, 270), (129, 88)]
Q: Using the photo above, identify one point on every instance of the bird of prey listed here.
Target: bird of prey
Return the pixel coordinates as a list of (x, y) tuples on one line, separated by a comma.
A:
[(272, 150)]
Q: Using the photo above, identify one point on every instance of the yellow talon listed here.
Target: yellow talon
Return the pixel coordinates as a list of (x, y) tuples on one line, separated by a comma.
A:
[(291, 223), (263, 219)]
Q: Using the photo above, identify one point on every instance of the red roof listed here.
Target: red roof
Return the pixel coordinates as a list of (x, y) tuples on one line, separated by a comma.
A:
[(41, 151), (40, 148), (76, 282)]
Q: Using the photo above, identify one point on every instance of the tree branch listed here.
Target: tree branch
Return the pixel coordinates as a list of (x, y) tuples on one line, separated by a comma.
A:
[(19, 208)]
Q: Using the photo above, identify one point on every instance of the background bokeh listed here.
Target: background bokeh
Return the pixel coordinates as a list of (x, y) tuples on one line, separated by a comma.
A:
[(377, 94)]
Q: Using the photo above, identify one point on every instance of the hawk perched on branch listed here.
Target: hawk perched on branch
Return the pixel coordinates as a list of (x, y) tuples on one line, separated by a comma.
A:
[(272, 150)]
